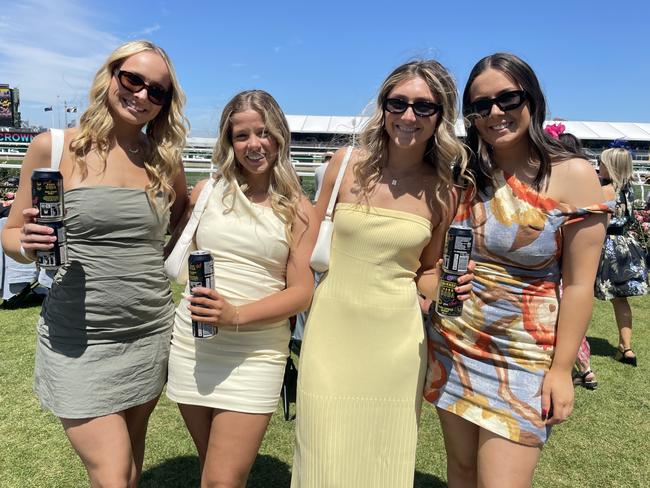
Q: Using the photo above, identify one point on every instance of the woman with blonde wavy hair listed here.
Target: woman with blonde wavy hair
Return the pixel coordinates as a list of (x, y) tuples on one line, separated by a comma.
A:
[(104, 332), (622, 270), (260, 230), (363, 358)]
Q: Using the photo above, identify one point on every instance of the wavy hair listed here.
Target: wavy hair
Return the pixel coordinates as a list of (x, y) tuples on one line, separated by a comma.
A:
[(284, 190), (618, 162), (166, 133), (443, 150), (543, 147)]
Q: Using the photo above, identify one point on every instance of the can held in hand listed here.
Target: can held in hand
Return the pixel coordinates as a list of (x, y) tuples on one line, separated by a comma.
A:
[(201, 273), (58, 255), (47, 194), (458, 249), (448, 303)]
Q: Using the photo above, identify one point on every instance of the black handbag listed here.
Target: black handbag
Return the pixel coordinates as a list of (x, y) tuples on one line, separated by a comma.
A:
[(289, 388)]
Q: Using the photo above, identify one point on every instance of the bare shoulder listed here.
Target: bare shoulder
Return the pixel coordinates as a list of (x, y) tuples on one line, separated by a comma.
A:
[(41, 145), (196, 191), (579, 182), (335, 163)]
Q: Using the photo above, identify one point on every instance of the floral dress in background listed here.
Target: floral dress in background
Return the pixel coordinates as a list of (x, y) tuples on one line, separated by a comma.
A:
[(622, 271)]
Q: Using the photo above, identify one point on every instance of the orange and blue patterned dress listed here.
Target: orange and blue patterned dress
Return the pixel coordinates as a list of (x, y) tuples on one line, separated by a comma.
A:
[(487, 365)]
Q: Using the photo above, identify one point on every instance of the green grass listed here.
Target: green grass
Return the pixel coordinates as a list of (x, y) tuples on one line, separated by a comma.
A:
[(606, 443)]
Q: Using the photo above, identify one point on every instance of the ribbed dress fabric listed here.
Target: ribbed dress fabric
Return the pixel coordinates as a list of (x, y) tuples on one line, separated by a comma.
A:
[(363, 358)]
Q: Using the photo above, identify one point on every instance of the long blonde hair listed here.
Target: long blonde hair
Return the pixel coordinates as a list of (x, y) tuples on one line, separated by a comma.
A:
[(618, 162), (166, 133), (443, 150), (284, 189)]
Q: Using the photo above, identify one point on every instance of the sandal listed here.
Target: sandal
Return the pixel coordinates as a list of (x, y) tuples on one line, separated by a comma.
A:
[(622, 358), (580, 379)]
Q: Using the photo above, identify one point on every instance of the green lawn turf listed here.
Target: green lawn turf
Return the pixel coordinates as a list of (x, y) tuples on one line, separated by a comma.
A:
[(606, 443)]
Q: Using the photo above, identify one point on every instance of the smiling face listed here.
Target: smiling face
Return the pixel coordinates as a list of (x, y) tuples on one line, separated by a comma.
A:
[(255, 148), (500, 129), (136, 108), (407, 129)]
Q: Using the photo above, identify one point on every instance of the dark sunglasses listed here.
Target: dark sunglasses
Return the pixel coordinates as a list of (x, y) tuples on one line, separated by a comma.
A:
[(134, 83), (506, 101), (421, 109)]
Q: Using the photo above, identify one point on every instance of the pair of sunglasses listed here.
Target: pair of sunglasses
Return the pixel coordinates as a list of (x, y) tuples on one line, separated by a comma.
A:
[(506, 101), (134, 83), (421, 109)]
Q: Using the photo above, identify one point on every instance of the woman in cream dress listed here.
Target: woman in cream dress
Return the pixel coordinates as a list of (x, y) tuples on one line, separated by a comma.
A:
[(260, 230)]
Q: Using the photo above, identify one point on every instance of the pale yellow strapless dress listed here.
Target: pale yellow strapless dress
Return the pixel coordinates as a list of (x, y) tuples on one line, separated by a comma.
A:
[(363, 359)]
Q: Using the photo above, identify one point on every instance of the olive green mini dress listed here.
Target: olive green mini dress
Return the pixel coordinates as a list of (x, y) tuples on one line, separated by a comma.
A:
[(104, 333)]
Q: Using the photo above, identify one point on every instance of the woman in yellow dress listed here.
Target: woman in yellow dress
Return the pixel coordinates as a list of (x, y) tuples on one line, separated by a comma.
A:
[(363, 357)]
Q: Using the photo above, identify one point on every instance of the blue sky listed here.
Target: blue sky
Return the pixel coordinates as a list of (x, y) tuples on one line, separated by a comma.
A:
[(329, 58)]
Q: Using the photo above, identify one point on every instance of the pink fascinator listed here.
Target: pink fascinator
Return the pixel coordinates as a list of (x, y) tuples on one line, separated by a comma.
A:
[(554, 130)]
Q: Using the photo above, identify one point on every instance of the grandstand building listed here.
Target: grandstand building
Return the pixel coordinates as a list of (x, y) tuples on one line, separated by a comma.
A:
[(313, 135)]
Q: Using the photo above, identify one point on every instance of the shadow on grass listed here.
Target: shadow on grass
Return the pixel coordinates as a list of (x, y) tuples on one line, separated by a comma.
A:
[(424, 480), (269, 472), (179, 472), (601, 347), (183, 472)]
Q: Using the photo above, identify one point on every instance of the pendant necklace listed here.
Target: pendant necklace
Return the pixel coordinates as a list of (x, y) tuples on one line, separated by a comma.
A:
[(393, 180), (133, 149)]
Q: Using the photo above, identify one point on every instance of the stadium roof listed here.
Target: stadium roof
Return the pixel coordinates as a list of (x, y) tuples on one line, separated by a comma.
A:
[(326, 124), (582, 129)]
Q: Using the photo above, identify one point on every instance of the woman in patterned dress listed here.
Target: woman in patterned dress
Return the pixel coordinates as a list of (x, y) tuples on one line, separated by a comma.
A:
[(500, 374), (622, 270)]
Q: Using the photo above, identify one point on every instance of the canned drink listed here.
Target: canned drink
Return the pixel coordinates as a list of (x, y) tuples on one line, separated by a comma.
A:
[(201, 273), (47, 194), (448, 303), (58, 255), (458, 249)]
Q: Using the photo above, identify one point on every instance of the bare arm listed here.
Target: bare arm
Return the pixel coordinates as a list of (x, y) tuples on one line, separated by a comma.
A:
[(21, 229), (179, 214), (331, 172), (582, 244), (278, 306)]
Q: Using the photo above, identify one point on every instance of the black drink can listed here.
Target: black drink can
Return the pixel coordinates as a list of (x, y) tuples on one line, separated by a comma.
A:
[(448, 303), (47, 194), (58, 255), (458, 249), (201, 273)]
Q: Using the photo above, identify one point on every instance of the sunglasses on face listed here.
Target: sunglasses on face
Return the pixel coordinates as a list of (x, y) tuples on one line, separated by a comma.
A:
[(421, 109), (506, 101), (134, 83)]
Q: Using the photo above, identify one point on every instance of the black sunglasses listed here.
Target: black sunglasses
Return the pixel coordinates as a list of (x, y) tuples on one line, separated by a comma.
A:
[(421, 109), (506, 101), (134, 83)]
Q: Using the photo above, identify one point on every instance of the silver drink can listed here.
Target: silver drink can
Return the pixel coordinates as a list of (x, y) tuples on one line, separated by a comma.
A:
[(201, 273)]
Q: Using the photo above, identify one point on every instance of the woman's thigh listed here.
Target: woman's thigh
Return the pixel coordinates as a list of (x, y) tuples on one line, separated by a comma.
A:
[(503, 463), (235, 439), (104, 446)]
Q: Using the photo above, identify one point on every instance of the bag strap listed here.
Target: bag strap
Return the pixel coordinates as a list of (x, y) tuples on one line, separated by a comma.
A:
[(337, 184), (57, 148), (203, 196)]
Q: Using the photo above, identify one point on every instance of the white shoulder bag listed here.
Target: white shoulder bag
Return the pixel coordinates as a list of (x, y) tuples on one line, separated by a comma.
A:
[(176, 266), (320, 257)]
